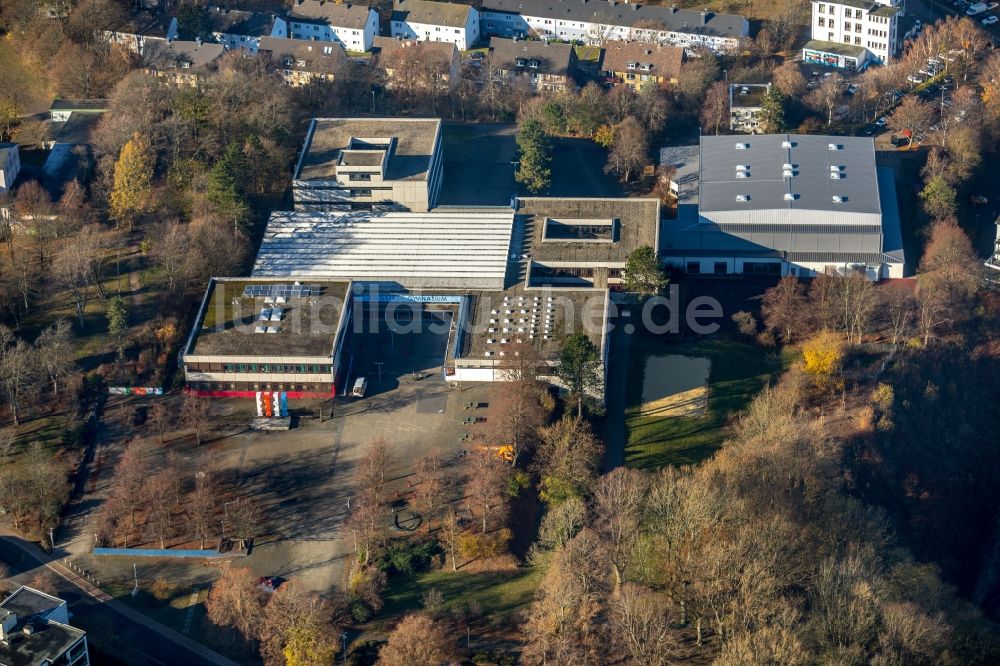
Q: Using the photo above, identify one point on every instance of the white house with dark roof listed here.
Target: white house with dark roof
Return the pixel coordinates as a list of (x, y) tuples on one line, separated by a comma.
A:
[(429, 21), (236, 29), (851, 33), (354, 26), (784, 204), (601, 21)]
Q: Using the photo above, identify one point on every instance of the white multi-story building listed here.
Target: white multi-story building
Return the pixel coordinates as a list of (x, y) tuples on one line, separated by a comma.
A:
[(853, 33), (428, 21), (600, 21), (353, 26)]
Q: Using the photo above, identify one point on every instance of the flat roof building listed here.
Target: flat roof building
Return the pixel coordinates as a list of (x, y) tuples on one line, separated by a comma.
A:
[(35, 629), (267, 334), (785, 203), (584, 243), (369, 163)]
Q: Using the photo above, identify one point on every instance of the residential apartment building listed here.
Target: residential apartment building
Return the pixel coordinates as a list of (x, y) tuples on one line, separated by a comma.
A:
[(301, 62), (537, 66), (439, 59), (182, 62), (850, 34), (369, 164), (429, 21), (237, 29), (142, 30), (35, 629), (634, 64), (353, 26), (10, 166), (745, 100), (602, 21)]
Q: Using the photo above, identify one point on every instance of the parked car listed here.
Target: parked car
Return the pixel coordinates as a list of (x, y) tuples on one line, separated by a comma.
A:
[(882, 121), (977, 8), (978, 200), (990, 20)]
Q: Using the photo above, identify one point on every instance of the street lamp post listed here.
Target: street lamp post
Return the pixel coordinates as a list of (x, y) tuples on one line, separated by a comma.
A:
[(52, 538), (343, 640)]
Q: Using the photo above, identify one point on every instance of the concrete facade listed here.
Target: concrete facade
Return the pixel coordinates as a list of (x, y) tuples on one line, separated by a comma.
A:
[(351, 164)]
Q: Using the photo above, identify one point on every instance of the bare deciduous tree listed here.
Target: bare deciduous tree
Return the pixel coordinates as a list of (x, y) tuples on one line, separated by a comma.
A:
[(715, 109), (236, 601), (55, 352), (783, 306), (486, 486), (243, 520)]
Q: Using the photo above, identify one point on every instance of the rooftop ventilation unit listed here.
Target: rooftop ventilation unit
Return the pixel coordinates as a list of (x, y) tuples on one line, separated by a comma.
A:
[(838, 199), (743, 197), (742, 167), (786, 144), (742, 174), (789, 196), (835, 146), (836, 175), (742, 146), (835, 167), (787, 167), (787, 173)]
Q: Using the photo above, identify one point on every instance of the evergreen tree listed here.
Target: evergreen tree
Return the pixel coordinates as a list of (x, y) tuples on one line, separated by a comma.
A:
[(227, 183), (772, 111), (579, 367), (536, 153), (643, 273)]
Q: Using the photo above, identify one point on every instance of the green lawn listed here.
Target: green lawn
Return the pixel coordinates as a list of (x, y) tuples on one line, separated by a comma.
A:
[(739, 370), (499, 594)]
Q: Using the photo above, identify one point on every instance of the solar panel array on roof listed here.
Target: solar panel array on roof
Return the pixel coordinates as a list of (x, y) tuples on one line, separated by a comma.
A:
[(280, 290)]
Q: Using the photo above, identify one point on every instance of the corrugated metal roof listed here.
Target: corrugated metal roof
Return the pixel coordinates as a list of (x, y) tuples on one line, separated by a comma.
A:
[(414, 249)]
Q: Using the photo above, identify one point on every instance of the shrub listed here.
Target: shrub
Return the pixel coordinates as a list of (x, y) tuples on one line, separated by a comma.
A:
[(766, 339), (360, 612), (494, 544), (161, 589), (746, 323), (406, 557)]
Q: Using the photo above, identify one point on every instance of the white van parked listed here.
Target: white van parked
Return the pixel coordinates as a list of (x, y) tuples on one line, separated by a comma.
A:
[(360, 386)]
